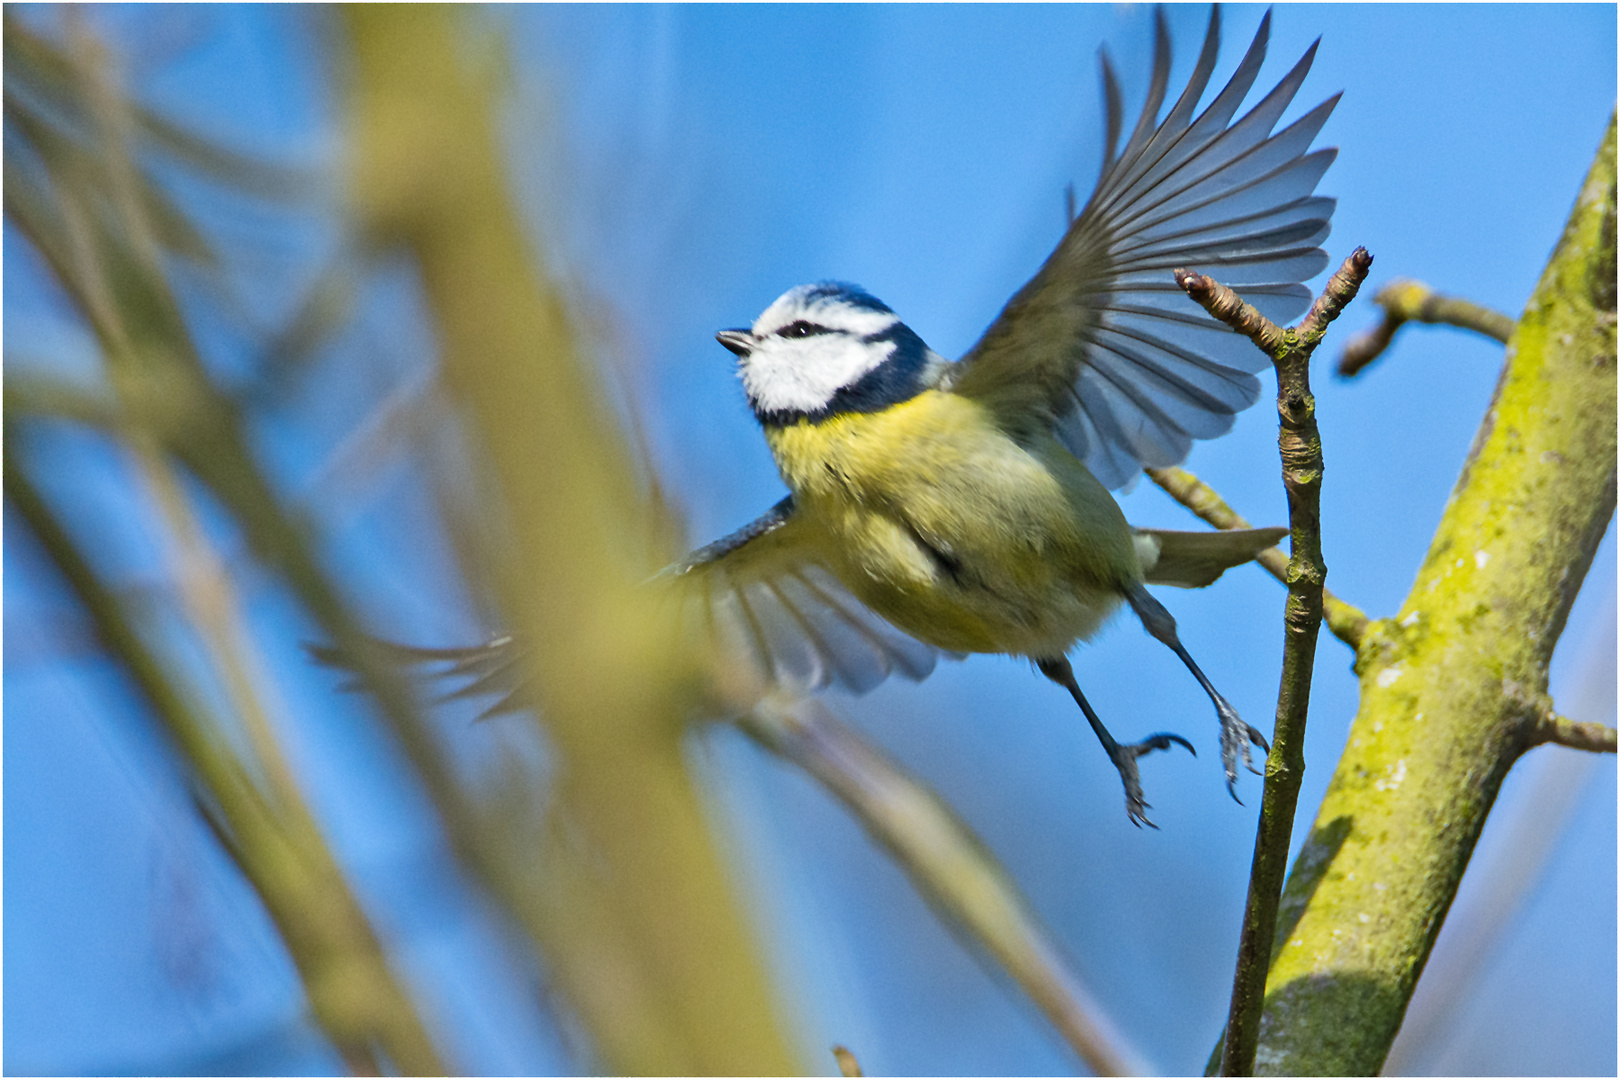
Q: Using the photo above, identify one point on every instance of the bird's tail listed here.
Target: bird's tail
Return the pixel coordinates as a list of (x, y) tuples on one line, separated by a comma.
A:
[(1191, 560)]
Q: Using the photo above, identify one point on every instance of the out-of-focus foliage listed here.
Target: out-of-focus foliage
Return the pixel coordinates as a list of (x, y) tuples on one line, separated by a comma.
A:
[(637, 884)]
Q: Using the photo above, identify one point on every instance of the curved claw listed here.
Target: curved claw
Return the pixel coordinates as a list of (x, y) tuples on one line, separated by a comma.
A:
[(1125, 761), (1265, 748), (1161, 741), (1136, 807), (1257, 739), (1236, 738)]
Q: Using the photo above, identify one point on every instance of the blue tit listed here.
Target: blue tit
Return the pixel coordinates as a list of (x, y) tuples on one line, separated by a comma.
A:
[(953, 508), (967, 504)]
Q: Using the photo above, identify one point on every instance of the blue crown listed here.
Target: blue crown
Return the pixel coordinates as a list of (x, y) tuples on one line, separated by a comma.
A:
[(844, 292)]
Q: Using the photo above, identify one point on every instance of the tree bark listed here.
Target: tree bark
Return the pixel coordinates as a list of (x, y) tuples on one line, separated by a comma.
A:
[(1454, 687)]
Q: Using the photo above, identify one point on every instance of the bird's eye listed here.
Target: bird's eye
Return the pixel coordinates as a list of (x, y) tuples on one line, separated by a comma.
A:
[(802, 329)]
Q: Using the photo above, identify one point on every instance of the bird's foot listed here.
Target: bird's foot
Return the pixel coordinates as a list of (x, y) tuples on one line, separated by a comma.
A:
[(1236, 735), (1124, 759)]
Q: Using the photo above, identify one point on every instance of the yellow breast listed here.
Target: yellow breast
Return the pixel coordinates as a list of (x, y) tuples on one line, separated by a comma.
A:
[(957, 533)]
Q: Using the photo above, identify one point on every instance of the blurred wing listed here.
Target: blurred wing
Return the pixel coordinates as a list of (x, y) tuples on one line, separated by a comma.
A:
[(474, 671), (1101, 346), (777, 615), (784, 619)]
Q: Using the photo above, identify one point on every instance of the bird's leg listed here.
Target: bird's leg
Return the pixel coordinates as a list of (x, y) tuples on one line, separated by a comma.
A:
[(1123, 757), (1235, 734)]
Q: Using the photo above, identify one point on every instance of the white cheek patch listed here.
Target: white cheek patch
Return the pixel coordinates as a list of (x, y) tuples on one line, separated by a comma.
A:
[(803, 374)]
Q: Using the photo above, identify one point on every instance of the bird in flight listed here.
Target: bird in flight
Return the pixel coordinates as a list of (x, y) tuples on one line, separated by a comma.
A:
[(940, 507)]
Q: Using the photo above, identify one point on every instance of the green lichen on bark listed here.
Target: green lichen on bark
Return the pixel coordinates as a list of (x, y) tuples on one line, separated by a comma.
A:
[(1451, 686)]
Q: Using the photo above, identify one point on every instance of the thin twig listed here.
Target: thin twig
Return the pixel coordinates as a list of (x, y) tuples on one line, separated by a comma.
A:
[(949, 865), (1404, 300), (1234, 311), (1300, 447), (1344, 620), (1575, 734)]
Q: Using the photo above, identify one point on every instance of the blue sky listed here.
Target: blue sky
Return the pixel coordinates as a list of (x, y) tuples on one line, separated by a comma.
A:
[(684, 166)]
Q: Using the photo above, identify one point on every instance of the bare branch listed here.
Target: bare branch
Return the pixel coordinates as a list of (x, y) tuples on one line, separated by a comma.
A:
[(1575, 734), (1341, 289), (1231, 309), (1404, 300)]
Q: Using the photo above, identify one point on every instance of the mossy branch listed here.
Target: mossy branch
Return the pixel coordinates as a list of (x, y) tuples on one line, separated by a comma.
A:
[(1454, 687)]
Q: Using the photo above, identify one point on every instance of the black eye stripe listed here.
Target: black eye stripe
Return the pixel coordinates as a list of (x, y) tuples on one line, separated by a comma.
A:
[(802, 329)]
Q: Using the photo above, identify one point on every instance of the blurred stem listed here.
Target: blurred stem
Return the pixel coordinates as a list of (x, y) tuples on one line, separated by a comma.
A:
[(847, 1063), (1299, 444), (354, 995), (1454, 688), (32, 394), (107, 264), (949, 865), (689, 993), (86, 214), (206, 592)]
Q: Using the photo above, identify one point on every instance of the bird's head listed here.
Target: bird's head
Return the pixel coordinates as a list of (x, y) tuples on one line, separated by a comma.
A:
[(825, 349)]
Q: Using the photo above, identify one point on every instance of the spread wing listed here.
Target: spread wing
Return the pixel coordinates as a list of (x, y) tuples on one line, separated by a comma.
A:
[(777, 615), (774, 609), (1101, 346)]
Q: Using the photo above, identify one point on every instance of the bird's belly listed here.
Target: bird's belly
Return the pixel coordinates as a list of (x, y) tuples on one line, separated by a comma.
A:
[(958, 534), (1032, 623), (1018, 593)]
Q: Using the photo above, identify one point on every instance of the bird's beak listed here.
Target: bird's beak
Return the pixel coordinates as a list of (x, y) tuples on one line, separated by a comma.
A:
[(740, 342)]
